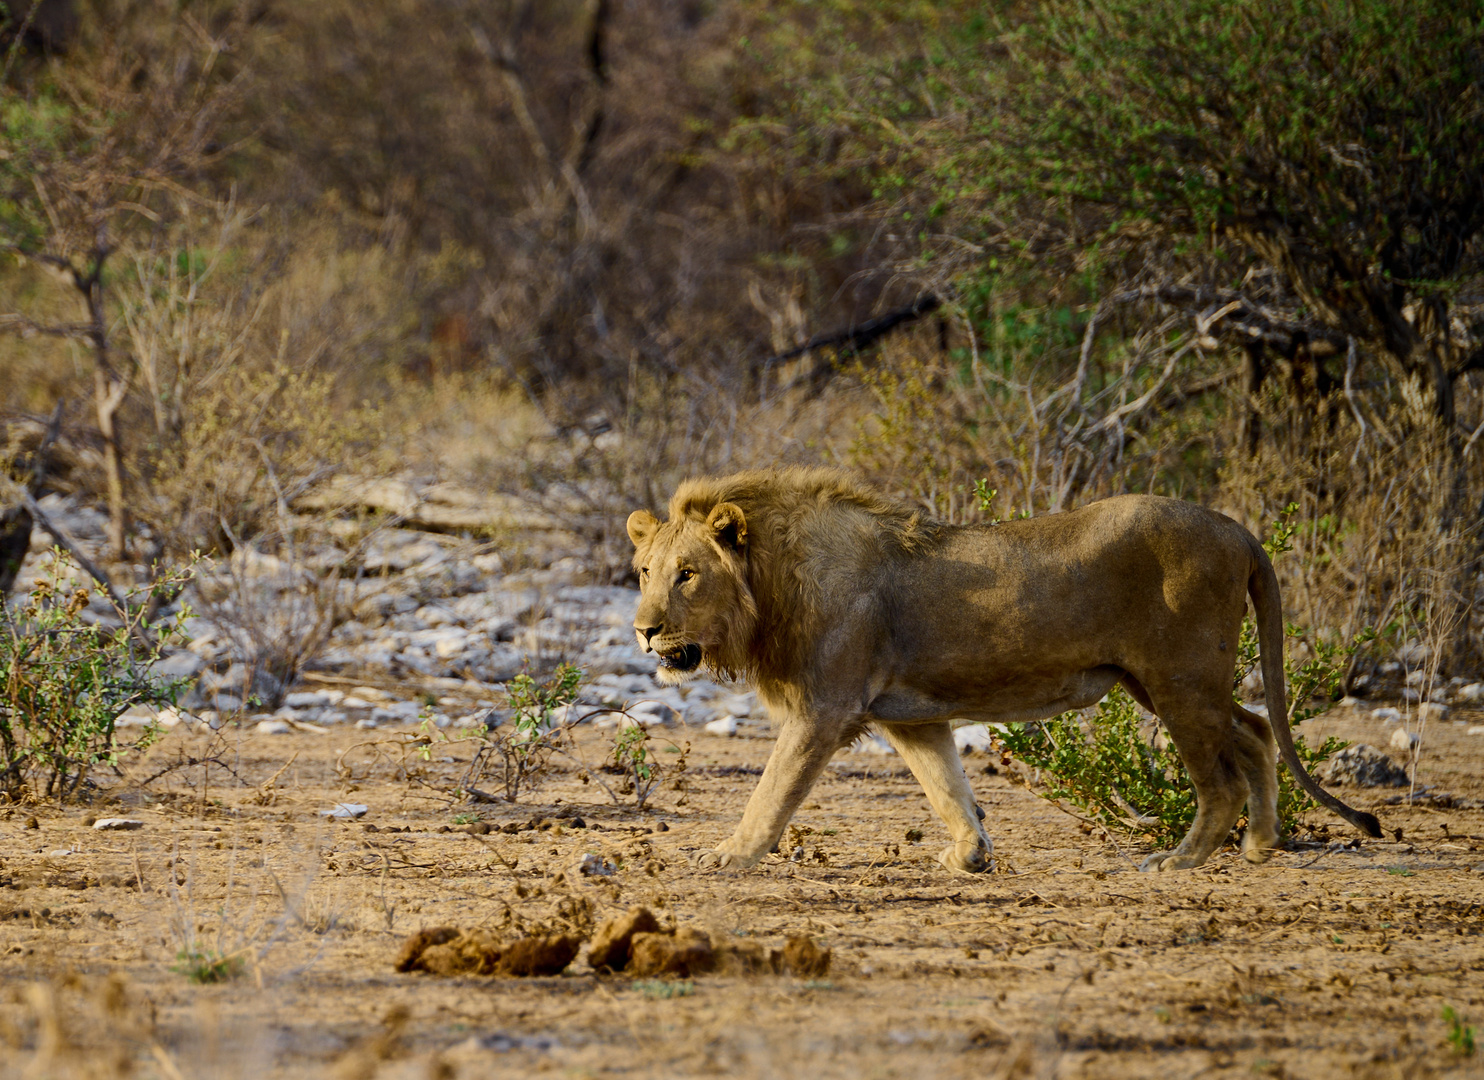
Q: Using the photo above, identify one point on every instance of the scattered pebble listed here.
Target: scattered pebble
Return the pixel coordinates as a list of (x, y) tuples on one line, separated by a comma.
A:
[(727, 725), (1431, 710), (345, 810), (1387, 715), (593, 865), (1477, 729), (118, 823), (973, 738), (274, 727), (1364, 766), (1402, 739)]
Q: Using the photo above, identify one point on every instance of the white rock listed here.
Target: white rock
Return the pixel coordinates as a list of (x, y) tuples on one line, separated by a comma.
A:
[(1410, 696), (1387, 715), (973, 737), (345, 810), (313, 699), (871, 743), (181, 665), (59, 853), (119, 824), (1414, 655), (1402, 739), (654, 714), (353, 701), (727, 725), (1416, 678), (1477, 729), (740, 705), (1348, 702), (1471, 694), (399, 712), (274, 727), (593, 865), (1431, 710)]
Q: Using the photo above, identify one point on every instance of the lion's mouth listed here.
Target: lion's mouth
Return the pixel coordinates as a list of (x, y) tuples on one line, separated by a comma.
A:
[(685, 658)]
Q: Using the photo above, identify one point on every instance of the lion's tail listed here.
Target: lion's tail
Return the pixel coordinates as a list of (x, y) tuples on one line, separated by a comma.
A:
[(1263, 587)]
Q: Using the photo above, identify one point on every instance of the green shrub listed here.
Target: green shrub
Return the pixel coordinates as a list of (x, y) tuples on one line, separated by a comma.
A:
[(1460, 1035), (206, 966), (64, 681), (521, 753)]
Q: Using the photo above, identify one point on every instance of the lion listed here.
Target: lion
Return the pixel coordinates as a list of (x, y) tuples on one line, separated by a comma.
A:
[(845, 610)]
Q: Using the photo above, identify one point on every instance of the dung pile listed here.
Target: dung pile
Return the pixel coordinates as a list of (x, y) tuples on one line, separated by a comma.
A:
[(447, 951), (633, 943)]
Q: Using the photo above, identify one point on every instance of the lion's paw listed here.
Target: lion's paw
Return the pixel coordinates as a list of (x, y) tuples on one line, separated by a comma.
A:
[(1161, 861), (967, 857), (723, 860)]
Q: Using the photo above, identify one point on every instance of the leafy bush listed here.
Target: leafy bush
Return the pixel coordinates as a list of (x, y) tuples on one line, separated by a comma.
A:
[(64, 680), (522, 753), (642, 772), (1110, 768)]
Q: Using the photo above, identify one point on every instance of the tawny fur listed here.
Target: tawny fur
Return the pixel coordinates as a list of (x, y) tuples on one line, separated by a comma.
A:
[(846, 610)]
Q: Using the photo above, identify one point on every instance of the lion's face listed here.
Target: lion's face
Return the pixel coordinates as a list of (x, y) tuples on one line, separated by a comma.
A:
[(694, 603)]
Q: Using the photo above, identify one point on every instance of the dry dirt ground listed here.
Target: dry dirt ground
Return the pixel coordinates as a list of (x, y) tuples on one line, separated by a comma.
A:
[(1329, 961)]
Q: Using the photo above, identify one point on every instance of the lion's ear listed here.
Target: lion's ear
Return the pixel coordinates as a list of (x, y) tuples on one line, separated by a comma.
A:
[(728, 524), (641, 526)]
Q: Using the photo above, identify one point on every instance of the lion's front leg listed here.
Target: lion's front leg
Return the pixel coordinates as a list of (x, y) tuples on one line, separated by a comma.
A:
[(929, 752), (798, 756)]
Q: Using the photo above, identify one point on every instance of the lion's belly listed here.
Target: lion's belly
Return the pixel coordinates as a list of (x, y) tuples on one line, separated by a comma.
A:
[(1027, 698)]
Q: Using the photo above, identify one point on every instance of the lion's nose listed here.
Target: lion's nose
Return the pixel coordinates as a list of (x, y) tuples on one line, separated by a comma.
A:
[(646, 632)]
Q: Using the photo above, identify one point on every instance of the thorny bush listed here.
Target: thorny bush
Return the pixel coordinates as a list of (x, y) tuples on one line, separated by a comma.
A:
[(65, 679), (521, 753)]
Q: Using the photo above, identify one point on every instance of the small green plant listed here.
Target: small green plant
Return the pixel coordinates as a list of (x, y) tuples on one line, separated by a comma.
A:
[(1399, 871), (986, 496), (65, 678), (1460, 1035), (204, 966), (633, 759), (522, 752), (659, 989)]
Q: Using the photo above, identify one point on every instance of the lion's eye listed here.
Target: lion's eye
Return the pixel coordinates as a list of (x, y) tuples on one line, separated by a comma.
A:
[(644, 571), (684, 576)]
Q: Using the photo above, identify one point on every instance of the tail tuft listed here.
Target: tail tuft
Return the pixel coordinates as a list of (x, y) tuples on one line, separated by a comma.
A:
[(1369, 823)]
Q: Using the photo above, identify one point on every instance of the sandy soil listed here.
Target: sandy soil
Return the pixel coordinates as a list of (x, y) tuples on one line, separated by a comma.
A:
[(1330, 961)]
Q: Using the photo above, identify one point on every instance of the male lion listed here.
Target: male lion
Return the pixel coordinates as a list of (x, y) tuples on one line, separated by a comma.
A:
[(845, 610)]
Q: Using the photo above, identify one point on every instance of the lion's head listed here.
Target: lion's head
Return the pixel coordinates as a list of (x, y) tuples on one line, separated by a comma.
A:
[(695, 605)]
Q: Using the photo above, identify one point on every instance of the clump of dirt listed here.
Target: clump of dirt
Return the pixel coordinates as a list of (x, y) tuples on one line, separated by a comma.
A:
[(611, 943), (684, 952), (634, 943), (804, 958), (545, 955), (447, 951), (410, 958)]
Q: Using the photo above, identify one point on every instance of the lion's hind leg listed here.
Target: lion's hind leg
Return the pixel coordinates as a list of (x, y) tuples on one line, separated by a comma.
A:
[(1257, 755), (1208, 746), (929, 752)]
